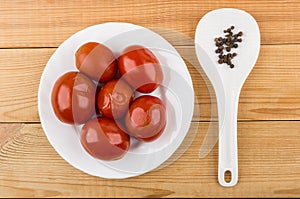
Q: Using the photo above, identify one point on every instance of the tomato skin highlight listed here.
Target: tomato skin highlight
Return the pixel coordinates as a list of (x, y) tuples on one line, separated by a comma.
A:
[(114, 99), (146, 118), (73, 98), (140, 68), (96, 61), (104, 140)]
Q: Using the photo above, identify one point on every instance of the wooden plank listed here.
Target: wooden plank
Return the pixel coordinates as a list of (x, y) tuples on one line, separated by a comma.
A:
[(270, 93), (20, 77), (269, 159), (49, 23)]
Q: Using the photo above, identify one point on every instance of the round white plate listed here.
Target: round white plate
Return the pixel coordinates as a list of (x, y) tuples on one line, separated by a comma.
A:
[(177, 92)]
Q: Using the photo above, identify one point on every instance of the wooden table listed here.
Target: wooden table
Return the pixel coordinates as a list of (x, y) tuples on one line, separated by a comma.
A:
[(268, 118)]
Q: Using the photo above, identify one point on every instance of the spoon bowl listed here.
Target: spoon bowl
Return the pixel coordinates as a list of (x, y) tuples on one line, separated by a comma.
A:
[(227, 82)]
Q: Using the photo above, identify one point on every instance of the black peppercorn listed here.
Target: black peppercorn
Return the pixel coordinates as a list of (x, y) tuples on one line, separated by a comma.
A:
[(228, 42)]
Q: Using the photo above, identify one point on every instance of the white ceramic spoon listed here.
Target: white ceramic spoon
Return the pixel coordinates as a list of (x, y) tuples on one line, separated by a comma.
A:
[(227, 82)]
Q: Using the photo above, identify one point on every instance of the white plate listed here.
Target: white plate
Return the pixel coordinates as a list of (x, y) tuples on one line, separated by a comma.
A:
[(177, 91)]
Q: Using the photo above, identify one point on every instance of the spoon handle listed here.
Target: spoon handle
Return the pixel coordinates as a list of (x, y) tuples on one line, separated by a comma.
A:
[(228, 156)]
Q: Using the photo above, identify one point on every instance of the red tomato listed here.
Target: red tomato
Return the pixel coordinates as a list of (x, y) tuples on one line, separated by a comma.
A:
[(146, 118), (73, 98), (114, 98), (96, 61), (103, 139), (140, 68)]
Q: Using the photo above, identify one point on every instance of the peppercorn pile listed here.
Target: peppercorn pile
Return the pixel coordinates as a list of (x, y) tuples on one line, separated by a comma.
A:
[(227, 43)]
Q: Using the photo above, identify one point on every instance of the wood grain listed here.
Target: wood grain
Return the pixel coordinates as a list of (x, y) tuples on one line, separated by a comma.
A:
[(269, 160), (271, 92), (48, 23)]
